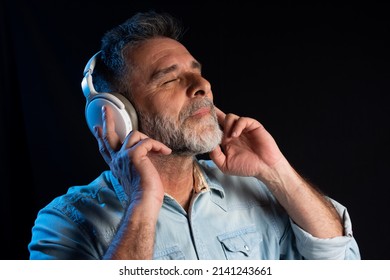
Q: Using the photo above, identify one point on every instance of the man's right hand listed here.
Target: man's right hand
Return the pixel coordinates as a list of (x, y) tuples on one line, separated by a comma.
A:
[(130, 161)]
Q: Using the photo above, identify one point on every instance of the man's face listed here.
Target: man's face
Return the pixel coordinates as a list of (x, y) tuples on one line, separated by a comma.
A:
[(174, 101)]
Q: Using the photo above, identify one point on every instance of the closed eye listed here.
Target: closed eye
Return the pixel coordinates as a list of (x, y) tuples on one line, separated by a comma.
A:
[(170, 81)]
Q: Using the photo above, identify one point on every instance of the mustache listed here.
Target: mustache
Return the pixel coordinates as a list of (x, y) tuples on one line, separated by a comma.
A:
[(193, 107)]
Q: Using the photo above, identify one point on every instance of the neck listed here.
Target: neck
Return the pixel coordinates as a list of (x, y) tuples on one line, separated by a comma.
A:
[(177, 176)]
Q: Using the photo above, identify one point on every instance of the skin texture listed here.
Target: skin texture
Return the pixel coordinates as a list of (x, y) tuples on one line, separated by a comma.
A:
[(166, 82)]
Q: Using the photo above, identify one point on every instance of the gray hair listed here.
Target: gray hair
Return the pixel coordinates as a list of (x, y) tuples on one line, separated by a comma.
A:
[(114, 44)]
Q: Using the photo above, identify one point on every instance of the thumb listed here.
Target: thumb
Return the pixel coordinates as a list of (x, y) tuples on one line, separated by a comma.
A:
[(218, 157)]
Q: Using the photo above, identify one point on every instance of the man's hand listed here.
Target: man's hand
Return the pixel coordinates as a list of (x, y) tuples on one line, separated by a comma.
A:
[(247, 149), (130, 162)]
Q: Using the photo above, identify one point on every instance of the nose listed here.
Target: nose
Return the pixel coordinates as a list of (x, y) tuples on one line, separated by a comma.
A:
[(199, 86)]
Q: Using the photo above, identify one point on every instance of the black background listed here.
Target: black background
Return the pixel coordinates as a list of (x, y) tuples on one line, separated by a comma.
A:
[(316, 76)]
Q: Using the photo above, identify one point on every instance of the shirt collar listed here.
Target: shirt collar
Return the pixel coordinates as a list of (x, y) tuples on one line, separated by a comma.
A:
[(200, 183), (203, 182)]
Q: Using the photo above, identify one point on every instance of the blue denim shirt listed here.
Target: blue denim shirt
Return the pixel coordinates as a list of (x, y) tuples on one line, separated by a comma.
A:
[(230, 218)]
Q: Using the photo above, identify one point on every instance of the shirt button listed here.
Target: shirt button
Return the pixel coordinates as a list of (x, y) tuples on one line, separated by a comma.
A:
[(246, 247)]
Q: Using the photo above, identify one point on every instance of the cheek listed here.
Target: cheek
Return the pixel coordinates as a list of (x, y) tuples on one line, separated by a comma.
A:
[(170, 105), (164, 103)]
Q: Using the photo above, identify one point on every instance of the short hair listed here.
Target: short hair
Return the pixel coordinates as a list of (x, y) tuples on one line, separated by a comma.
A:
[(140, 27)]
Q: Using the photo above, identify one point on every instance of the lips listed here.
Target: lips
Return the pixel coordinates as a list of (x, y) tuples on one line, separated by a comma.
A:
[(201, 112)]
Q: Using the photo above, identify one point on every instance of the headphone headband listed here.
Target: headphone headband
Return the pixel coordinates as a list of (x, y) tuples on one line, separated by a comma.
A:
[(87, 83)]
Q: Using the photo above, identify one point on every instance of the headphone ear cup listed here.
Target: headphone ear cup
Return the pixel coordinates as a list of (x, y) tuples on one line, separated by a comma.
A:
[(124, 114), (129, 109)]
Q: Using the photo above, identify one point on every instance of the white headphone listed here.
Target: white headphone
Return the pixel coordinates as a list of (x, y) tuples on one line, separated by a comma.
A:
[(125, 115)]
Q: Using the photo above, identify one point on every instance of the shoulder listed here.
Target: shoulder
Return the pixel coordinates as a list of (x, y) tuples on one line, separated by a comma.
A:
[(94, 195)]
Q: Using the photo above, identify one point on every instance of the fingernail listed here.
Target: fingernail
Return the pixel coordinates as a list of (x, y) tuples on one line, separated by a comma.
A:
[(103, 112)]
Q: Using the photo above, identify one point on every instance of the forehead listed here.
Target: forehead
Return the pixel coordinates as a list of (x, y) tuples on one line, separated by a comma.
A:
[(158, 52)]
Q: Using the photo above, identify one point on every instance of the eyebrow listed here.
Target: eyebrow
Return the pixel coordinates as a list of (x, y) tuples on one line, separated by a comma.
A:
[(164, 71)]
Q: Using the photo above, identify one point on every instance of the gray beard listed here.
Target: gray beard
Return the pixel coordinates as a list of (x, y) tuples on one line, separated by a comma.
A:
[(181, 137)]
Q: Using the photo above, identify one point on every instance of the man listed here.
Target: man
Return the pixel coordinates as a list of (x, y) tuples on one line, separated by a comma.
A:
[(158, 201)]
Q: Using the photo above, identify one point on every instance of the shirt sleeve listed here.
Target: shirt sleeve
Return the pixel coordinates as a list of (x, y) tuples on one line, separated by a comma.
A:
[(57, 236), (337, 248)]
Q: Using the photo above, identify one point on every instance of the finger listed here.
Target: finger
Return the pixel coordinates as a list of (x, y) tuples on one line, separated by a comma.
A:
[(218, 157), (230, 123), (146, 146), (102, 146), (227, 122), (244, 124), (110, 136), (134, 137), (220, 116)]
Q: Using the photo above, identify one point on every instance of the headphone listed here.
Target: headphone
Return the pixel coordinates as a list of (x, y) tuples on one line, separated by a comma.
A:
[(125, 116)]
